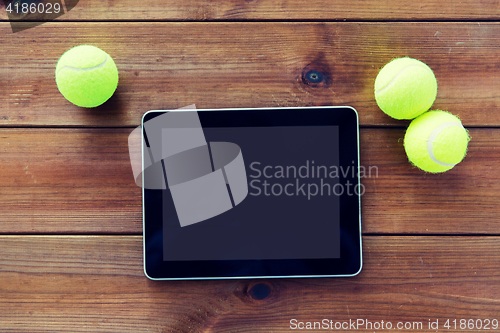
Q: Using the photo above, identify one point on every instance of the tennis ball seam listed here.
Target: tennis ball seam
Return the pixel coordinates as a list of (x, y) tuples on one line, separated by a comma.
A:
[(102, 64), (433, 136), (399, 73)]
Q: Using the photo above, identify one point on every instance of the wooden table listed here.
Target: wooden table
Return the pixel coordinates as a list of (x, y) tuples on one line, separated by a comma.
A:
[(71, 216)]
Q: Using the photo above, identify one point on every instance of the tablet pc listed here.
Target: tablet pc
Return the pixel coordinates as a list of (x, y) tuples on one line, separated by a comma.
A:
[(251, 193)]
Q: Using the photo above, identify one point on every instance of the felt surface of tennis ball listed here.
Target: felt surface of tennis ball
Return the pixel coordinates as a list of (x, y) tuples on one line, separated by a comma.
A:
[(405, 88), (436, 141), (86, 76)]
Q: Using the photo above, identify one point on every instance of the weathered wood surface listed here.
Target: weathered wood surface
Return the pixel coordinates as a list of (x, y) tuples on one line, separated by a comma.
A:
[(96, 284), (227, 65), (80, 181), (206, 10)]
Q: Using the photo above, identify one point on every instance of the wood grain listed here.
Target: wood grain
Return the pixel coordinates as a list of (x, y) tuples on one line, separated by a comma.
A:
[(96, 284), (403, 199), (203, 10), (71, 180), (80, 181), (225, 65)]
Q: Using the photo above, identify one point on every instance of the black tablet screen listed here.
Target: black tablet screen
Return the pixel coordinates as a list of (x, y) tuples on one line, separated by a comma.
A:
[(251, 193), (275, 196)]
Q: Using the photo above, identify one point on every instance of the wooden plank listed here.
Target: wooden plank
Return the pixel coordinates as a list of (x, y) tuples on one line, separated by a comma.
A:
[(403, 199), (71, 180), (224, 65), (96, 284), (203, 10), (80, 181)]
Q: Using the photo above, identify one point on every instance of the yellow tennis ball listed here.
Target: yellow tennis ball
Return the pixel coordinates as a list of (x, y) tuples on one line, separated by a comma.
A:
[(405, 88), (87, 76), (436, 141)]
